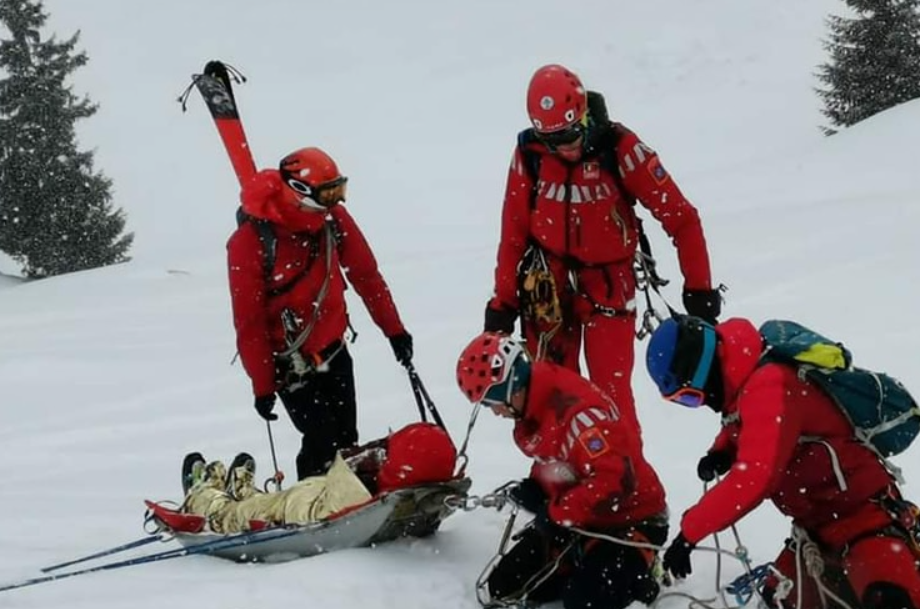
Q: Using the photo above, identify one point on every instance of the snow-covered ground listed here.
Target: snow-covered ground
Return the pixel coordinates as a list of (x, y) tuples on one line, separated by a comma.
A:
[(108, 377)]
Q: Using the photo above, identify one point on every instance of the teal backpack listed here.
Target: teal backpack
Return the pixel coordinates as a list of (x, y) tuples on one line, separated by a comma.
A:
[(884, 415)]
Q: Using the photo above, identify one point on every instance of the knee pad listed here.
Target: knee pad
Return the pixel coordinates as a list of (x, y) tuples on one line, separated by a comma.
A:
[(885, 595)]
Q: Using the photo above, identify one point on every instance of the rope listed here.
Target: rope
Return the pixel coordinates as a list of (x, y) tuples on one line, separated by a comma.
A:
[(294, 346), (462, 458), (807, 551), (747, 584)]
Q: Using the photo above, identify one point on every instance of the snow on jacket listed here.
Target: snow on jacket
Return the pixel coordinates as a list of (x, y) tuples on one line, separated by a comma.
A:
[(792, 445), (580, 215), (300, 268), (590, 465)]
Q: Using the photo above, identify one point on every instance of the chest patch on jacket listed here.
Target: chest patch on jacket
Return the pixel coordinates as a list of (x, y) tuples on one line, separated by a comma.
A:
[(594, 442)]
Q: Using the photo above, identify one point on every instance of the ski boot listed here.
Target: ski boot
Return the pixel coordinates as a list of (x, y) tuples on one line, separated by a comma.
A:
[(240, 475), (193, 471)]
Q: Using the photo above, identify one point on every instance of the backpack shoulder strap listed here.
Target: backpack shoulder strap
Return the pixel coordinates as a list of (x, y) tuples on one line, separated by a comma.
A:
[(530, 160), (610, 159), (266, 237), (269, 245), (335, 231)]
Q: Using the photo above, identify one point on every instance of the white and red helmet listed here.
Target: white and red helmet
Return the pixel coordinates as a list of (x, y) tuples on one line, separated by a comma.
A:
[(556, 99), (488, 362)]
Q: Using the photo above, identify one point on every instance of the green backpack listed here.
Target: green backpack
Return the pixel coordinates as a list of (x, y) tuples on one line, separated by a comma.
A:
[(884, 415)]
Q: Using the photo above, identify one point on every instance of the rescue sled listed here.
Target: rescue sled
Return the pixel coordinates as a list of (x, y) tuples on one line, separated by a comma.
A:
[(416, 511)]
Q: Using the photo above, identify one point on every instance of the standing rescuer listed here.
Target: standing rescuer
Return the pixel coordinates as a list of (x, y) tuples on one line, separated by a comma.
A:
[(286, 261), (569, 235)]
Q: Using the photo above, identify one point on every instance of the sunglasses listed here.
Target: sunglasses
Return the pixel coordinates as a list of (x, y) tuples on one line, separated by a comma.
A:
[(324, 196), (563, 137)]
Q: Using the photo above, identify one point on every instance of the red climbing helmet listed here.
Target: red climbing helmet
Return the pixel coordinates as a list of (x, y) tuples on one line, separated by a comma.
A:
[(556, 101), (493, 364), (419, 453), (313, 175)]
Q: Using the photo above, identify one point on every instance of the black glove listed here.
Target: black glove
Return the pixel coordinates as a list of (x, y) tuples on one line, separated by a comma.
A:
[(677, 557), (529, 495), (543, 523), (714, 463), (500, 320), (264, 405), (402, 348), (705, 304)]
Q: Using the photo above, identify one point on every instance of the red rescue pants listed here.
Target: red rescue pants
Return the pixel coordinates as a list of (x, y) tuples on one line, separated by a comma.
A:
[(609, 353), (878, 559)]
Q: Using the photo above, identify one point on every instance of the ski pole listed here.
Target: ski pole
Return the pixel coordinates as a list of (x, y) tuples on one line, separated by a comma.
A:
[(208, 547), (279, 475), (125, 546)]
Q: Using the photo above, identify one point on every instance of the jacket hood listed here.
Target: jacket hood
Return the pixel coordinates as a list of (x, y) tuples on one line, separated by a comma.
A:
[(739, 350), (263, 197)]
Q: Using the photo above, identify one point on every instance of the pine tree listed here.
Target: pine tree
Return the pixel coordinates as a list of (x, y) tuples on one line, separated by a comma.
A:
[(874, 60), (56, 214)]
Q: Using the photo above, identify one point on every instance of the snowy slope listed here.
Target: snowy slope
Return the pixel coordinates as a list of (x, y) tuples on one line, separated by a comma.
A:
[(110, 376)]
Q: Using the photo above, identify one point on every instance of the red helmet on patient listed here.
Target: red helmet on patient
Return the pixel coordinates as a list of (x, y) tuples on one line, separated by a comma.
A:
[(419, 453)]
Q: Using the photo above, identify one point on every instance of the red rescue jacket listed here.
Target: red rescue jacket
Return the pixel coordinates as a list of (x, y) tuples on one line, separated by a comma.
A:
[(581, 217), (587, 461), (300, 268), (792, 445)]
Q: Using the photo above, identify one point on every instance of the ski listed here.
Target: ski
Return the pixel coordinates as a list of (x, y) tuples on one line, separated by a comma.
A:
[(103, 553), (216, 87), (209, 547)]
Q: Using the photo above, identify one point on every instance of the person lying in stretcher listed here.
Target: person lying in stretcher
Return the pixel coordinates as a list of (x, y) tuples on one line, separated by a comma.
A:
[(229, 501)]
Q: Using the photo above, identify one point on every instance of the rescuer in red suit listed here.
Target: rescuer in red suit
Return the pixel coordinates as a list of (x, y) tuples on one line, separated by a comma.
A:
[(784, 440), (588, 472), (569, 236), (286, 262)]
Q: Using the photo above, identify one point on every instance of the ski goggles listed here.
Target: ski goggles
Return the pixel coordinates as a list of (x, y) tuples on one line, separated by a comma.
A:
[(687, 396), (326, 195), (566, 136)]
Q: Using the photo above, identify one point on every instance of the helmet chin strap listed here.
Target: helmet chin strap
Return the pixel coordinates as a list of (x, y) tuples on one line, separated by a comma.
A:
[(311, 205)]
